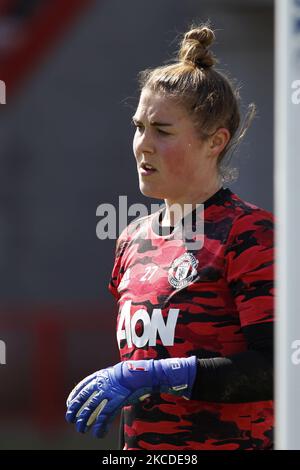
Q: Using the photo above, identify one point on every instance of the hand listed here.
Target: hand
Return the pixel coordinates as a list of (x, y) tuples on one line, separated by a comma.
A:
[(96, 400)]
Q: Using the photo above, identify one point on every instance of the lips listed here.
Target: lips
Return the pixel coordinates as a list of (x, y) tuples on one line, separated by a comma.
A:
[(147, 169), (147, 166)]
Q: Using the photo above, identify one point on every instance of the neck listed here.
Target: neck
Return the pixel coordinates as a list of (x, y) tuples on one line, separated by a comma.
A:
[(176, 209)]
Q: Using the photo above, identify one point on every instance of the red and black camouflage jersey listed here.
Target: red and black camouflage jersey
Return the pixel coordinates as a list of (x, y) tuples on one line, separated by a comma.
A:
[(176, 301)]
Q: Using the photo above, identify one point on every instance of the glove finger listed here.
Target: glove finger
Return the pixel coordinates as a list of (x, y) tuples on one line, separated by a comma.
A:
[(106, 417), (143, 397), (101, 429), (79, 387), (90, 410), (80, 402), (103, 423), (96, 412)]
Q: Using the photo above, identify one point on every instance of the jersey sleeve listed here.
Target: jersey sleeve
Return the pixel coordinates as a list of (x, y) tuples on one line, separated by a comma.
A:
[(247, 376), (250, 267), (117, 271)]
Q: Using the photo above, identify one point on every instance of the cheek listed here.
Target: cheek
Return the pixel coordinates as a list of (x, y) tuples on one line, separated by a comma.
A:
[(134, 145), (178, 162)]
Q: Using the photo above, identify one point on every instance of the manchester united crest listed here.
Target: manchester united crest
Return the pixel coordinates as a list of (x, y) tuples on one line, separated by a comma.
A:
[(183, 271)]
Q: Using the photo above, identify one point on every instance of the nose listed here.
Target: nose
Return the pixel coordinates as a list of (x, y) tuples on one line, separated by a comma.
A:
[(143, 143)]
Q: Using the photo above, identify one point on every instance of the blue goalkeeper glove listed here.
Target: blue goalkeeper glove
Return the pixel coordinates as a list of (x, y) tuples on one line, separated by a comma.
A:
[(96, 400)]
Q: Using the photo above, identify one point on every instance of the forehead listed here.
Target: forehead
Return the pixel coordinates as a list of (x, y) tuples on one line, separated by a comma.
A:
[(154, 104)]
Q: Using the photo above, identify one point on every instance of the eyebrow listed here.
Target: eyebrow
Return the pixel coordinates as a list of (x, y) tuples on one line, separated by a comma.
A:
[(155, 123)]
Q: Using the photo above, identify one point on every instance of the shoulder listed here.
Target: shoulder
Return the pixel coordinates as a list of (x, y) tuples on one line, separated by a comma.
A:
[(136, 229), (251, 226), (247, 216)]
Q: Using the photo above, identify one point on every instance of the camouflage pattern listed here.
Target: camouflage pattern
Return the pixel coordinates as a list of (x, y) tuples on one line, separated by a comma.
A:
[(199, 305)]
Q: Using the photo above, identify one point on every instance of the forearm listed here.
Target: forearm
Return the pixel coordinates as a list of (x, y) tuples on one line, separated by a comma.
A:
[(243, 377), (95, 401)]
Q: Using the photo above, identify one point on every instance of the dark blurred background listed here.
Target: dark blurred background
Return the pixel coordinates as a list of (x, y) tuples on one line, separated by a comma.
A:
[(70, 70)]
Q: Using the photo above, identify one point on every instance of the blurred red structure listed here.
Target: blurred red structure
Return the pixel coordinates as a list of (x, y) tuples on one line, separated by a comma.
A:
[(28, 29), (54, 366)]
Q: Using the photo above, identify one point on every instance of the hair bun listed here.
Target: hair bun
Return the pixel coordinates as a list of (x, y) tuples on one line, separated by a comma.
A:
[(194, 47)]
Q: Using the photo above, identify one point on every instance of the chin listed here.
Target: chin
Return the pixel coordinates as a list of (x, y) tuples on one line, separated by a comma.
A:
[(147, 191)]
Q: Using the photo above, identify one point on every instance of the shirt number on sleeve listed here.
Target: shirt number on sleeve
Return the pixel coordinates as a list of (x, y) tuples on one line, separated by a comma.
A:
[(150, 271)]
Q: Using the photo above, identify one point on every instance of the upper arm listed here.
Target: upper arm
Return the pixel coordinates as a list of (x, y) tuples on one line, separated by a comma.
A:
[(250, 268), (117, 270)]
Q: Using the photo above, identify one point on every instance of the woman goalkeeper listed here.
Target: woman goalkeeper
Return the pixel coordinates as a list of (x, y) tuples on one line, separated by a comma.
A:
[(195, 322)]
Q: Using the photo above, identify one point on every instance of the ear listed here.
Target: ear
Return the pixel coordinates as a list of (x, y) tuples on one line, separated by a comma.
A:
[(219, 141)]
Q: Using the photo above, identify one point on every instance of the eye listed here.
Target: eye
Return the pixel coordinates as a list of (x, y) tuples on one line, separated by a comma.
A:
[(160, 131), (136, 125)]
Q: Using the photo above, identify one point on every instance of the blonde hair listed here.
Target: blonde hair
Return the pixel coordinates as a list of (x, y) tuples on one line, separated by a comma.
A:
[(209, 96)]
